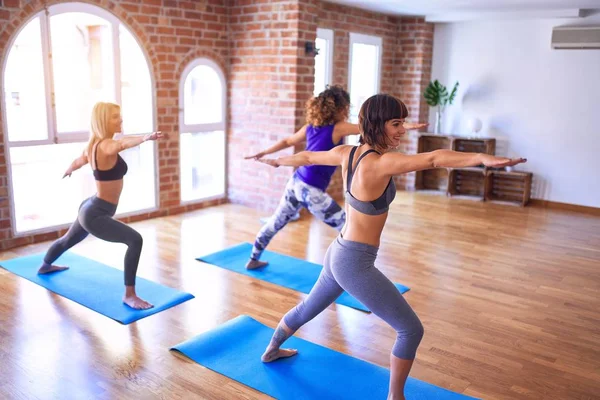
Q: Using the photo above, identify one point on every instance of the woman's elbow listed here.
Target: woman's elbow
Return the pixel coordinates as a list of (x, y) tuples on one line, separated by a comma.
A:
[(307, 158)]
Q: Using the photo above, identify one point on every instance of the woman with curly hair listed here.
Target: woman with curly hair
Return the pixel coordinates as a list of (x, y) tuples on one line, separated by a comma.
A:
[(325, 128)]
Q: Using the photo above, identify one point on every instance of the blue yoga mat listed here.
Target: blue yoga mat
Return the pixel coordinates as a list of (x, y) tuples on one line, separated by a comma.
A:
[(286, 271), (316, 372), (96, 286)]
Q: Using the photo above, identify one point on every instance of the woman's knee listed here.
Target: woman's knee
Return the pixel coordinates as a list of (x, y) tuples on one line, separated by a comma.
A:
[(418, 329), (136, 240), (408, 339)]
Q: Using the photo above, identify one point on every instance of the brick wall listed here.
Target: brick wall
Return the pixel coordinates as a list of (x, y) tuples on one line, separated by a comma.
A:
[(412, 65), (343, 20), (172, 33), (260, 46), (405, 70), (270, 79)]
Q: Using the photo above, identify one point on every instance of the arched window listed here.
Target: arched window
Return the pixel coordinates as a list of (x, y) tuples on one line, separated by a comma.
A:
[(202, 94), (59, 65)]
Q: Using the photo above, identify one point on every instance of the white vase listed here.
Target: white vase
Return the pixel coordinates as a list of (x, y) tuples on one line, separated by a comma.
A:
[(438, 122)]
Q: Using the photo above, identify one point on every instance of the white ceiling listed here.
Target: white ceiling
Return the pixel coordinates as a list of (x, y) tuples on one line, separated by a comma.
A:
[(457, 10)]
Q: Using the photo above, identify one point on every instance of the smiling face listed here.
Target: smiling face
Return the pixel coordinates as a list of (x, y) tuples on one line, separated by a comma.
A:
[(115, 121), (381, 122), (394, 130)]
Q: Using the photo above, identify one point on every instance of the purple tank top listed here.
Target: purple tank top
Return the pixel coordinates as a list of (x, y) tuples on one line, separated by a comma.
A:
[(318, 138)]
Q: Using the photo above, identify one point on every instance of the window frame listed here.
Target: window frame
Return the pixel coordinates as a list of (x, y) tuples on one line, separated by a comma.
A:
[(377, 41), (203, 128), (359, 38), (328, 35), (69, 137)]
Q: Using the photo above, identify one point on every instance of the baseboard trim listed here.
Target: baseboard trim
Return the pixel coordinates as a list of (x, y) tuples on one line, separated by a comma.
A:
[(564, 206)]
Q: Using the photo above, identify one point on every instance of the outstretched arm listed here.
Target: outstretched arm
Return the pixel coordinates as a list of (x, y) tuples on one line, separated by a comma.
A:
[(332, 157), (113, 147), (289, 141), (76, 164), (410, 126), (397, 163), (343, 129)]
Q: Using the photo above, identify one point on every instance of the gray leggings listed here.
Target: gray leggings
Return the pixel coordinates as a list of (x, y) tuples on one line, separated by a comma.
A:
[(95, 217), (350, 266)]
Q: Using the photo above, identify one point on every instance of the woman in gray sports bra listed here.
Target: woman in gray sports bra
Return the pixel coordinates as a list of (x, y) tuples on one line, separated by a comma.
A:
[(349, 263)]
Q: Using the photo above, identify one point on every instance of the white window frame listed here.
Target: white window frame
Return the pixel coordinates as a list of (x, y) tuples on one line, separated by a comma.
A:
[(199, 128), (360, 38), (80, 136), (328, 36), (377, 41), (69, 137)]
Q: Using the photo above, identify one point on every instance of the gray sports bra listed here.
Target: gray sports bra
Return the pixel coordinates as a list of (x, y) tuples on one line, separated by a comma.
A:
[(374, 207)]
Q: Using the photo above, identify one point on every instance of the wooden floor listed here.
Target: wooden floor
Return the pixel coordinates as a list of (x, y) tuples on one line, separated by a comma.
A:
[(509, 297)]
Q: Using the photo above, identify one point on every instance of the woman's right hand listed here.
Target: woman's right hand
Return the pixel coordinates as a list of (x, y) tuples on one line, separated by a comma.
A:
[(496, 162), (255, 156), (154, 136)]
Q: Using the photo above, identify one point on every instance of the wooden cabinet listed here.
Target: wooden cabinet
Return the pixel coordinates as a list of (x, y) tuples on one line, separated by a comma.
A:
[(508, 186), (484, 183)]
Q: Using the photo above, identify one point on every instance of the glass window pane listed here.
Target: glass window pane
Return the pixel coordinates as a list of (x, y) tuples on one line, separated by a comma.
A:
[(136, 86), (84, 73), (83, 67), (203, 96), (139, 191), (364, 80), (24, 86), (321, 66), (43, 199), (202, 165), (364, 76)]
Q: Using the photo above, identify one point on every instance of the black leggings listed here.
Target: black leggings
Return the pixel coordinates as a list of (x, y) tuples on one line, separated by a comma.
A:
[(95, 217)]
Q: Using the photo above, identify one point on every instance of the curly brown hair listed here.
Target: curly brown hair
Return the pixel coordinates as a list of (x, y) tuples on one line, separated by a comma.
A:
[(330, 106), (374, 113)]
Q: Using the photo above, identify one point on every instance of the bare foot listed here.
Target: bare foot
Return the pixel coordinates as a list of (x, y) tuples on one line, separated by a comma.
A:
[(392, 396), (254, 264), (272, 354), (47, 268), (136, 303)]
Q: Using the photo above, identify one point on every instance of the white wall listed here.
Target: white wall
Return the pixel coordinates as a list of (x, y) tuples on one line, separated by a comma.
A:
[(539, 103)]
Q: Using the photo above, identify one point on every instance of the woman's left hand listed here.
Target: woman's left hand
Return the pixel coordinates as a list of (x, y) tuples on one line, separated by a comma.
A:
[(409, 126), (155, 136)]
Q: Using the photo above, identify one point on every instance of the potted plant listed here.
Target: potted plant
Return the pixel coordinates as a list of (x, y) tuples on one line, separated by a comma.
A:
[(437, 95)]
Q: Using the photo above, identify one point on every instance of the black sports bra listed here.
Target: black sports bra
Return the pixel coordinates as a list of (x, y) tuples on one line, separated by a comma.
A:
[(117, 172)]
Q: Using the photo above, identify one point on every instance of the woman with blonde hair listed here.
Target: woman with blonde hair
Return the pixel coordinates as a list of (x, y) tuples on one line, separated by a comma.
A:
[(326, 127), (96, 213)]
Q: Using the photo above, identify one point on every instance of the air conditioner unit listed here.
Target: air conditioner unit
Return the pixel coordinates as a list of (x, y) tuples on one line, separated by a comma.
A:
[(576, 37)]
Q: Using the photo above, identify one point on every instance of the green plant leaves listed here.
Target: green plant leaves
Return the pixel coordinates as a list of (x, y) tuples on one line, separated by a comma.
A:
[(436, 94)]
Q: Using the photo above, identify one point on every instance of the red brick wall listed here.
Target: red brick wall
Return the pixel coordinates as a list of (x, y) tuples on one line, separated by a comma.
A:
[(406, 63), (172, 34), (413, 72), (270, 79), (343, 20), (260, 46), (251, 64)]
